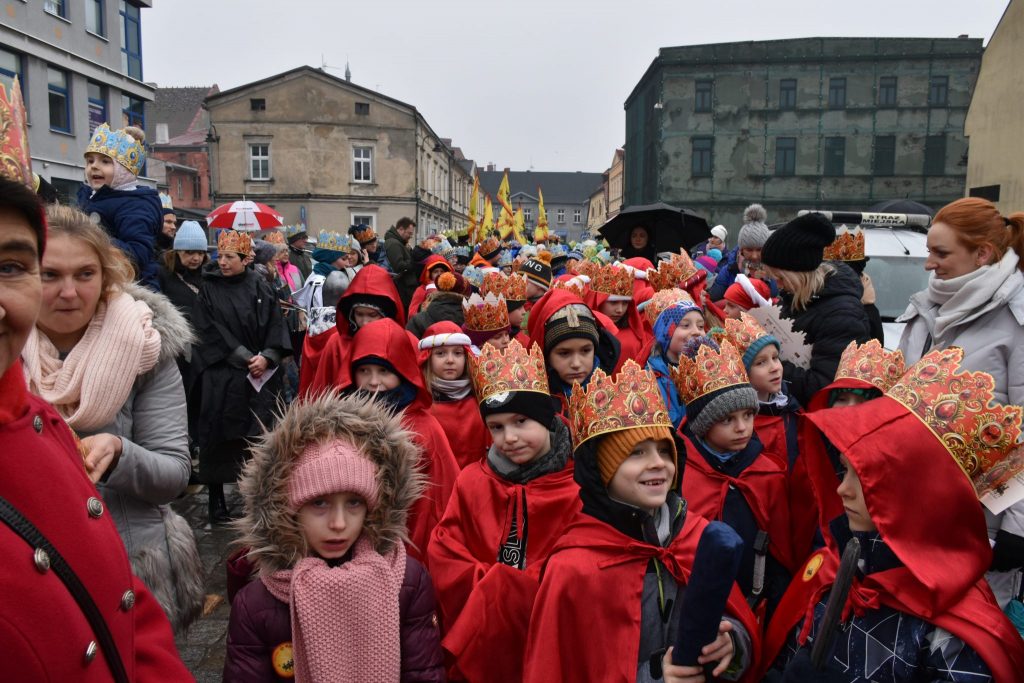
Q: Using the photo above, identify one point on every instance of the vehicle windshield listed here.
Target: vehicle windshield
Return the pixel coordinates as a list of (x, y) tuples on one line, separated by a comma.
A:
[(895, 279)]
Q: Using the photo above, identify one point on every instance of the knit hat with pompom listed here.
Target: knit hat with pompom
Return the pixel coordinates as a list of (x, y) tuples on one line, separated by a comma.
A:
[(754, 232)]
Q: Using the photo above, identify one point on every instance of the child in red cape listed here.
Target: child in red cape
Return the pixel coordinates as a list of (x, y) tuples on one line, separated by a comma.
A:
[(382, 360), (607, 609), (919, 607), (504, 517), (444, 359), (371, 295), (432, 267), (611, 293), (729, 476)]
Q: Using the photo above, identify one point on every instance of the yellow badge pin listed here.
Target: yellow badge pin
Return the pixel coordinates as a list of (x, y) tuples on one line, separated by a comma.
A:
[(283, 660)]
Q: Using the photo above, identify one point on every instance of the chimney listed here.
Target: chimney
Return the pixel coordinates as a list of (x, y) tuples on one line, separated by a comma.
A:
[(490, 167), (162, 135)]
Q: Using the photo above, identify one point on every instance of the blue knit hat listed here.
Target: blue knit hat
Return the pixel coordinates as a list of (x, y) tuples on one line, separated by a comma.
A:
[(755, 348), (666, 323), (190, 237)]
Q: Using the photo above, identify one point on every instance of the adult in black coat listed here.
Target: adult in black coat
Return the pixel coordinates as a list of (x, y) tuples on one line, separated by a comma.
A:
[(823, 298), (441, 306)]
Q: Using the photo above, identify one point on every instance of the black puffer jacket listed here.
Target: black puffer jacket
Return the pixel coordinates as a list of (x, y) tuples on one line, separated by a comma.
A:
[(833, 318), (444, 306)]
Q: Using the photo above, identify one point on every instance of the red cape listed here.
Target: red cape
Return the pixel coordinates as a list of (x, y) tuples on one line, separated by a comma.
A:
[(421, 292), (642, 290), (585, 624), (635, 338), (486, 606)]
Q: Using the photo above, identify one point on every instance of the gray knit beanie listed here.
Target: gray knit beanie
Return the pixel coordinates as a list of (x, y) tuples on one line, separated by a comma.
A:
[(754, 232), (702, 414)]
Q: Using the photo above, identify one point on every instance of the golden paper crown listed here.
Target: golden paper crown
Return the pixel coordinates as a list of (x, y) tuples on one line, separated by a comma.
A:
[(364, 234), (494, 283), (574, 285), (710, 371), (273, 237), (485, 314), (335, 241), (959, 408), (515, 288), (510, 369), (848, 245), (15, 159), (672, 273), (873, 364), (743, 332), (613, 281), (234, 241), (489, 247), (588, 268), (119, 146), (661, 300), (630, 399)]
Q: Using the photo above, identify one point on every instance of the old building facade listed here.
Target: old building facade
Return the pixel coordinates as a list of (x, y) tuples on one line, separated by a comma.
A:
[(80, 64), (839, 123), (329, 153)]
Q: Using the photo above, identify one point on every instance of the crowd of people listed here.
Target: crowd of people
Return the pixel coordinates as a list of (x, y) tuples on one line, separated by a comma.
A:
[(465, 458)]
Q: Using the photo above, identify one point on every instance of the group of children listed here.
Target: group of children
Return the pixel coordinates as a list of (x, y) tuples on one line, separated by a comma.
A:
[(556, 478)]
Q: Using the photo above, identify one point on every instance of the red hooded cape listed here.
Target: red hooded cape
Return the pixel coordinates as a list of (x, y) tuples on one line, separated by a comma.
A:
[(926, 510), (467, 434), (585, 624), (370, 280), (485, 605), (421, 292), (642, 290), (635, 338), (386, 340)]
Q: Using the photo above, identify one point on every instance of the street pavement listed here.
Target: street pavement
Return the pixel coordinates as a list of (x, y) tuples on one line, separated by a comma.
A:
[(203, 647)]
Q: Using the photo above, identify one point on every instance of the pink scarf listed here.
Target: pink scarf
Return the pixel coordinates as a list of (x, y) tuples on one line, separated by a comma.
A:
[(89, 387), (345, 620)]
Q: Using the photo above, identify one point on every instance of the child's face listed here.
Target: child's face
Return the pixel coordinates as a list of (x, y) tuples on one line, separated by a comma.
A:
[(852, 494), (615, 309), (500, 340), (732, 310), (373, 377), (691, 326), (435, 271), (572, 360), (847, 398), (99, 170), (519, 439), (515, 318), (645, 477), (533, 290), (766, 372), (732, 433), (364, 315), (230, 263), (332, 523), (448, 362)]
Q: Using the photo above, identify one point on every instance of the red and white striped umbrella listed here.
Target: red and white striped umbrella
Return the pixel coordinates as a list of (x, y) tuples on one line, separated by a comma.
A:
[(245, 215)]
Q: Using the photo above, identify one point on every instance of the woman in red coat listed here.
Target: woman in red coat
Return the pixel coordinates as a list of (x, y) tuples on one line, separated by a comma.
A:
[(46, 633), (444, 358)]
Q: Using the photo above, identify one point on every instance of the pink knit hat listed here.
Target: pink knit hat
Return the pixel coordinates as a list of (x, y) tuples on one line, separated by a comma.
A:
[(332, 467)]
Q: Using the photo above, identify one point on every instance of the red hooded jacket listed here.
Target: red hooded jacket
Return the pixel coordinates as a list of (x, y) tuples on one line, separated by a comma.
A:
[(420, 294), (635, 338)]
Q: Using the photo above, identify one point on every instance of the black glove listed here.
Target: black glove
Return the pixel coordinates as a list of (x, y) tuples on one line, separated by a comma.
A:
[(800, 670)]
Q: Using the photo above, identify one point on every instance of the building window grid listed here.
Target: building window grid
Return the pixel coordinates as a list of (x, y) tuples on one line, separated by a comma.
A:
[(259, 161), (362, 165), (938, 91), (787, 93), (885, 155), (258, 104), (363, 108), (95, 17), (835, 156), (131, 44), (837, 93), (57, 7), (527, 214), (133, 111), (561, 215), (785, 156), (577, 216), (887, 91), (703, 157), (11, 66), (704, 90), (97, 105), (59, 99), (935, 155), (197, 187)]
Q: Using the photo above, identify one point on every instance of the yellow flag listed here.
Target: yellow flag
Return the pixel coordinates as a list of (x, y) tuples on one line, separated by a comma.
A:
[(541, 233), (506, 218), (488, 225), (472, 210), (519, 226), (503, 195)]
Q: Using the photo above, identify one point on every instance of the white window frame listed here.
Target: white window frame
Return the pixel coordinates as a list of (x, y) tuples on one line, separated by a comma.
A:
[(254, 157), (363, 213), (358, 161), (527, 213), (577, 216), (560, 215)]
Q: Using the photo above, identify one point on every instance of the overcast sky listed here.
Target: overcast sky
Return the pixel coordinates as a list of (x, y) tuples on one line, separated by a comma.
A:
[(522, 83)]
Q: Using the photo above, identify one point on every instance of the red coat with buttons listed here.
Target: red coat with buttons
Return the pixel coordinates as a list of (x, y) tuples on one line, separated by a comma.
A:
[(44, 634)]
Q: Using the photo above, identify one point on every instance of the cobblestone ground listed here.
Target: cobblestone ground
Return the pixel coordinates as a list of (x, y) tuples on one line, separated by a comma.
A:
[(202, 648)]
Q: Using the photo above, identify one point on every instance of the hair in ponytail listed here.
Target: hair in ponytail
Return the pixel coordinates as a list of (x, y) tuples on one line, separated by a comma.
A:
[(977, 222)]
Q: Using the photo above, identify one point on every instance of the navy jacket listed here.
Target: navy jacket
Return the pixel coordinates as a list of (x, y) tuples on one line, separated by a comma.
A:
[(132, 218)]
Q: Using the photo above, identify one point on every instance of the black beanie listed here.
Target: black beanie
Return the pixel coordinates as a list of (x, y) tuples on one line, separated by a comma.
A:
[(573, 321), (799, 244), (532, 404), (536, 271)]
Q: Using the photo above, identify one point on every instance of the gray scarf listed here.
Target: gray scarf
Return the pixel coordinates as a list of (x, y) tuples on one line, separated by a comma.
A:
[(552, 461), (964, 298), (452, 389)]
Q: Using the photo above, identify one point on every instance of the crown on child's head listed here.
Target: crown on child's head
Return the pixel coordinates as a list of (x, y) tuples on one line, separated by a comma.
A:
[(515, 288), (873, 364), (120, 146), (662, 300), (336, 241), (743, 331), (575, 285), (513, 368), (234, 241), (672, 273), (708, 371), (959, 408), (588, 268), (614, 281), (630, 399), (365, 234), (485, 314), (489, 247), (494, 283), (848, 245), (273, 237)]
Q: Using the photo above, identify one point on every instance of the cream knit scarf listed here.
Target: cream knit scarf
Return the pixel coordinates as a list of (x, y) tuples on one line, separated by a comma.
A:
[(345, 619), (91, 384), (966, 297)]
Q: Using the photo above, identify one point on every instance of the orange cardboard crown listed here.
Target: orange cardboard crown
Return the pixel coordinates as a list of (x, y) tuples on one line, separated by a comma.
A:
[(661, 300), (574, 285), (494, 283), (743, 332), (489, 248), (273, 237), (873, 364), (233, 241), (364, 235), (848, 245), (672, 273), (515, 288), (959, 408), (511, 369), (15, 159), (588, 268), (630, 399), (614, 281), (485, 314), (710, 371)]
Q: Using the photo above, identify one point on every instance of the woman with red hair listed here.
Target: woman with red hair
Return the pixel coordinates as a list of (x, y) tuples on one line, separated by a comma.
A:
[(975, 300)]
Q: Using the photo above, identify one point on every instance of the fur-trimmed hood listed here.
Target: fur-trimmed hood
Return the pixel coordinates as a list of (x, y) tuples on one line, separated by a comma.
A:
[(270, 528), (176, 334)]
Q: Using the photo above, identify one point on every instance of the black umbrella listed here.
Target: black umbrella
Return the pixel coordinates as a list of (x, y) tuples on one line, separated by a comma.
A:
[(901, 206), (670, 228)]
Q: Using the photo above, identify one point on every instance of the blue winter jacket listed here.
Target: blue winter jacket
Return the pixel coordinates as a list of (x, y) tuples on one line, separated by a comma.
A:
[(132, 218), (728, 269)]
